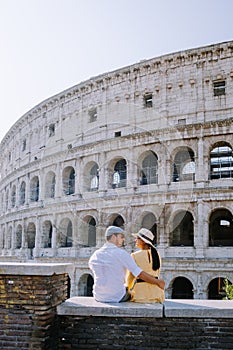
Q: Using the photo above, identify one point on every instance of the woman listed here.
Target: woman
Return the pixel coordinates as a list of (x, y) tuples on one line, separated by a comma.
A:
[(148, 259)]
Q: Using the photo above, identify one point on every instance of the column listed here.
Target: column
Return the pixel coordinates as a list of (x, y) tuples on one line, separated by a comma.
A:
[(54, 236), (23, 234), (198, 229), (103, 173), (132, 170), (161, 234), (58, 183), (13, 238), (100, 230), (199, 162), (37, 239), (27, 189)]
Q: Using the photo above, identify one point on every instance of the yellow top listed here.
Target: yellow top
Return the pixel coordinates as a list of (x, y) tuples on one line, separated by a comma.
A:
[(143, 292)]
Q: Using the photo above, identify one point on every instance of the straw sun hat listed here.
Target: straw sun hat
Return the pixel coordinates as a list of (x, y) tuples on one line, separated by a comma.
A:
[(145, 235)]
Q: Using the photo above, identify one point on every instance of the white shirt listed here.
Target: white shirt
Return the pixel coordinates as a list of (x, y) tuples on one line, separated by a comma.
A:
[(109, 265)]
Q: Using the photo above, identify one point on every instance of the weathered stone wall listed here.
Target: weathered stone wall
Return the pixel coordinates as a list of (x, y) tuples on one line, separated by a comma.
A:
[(28, 306), (82, 333), (177, 324)]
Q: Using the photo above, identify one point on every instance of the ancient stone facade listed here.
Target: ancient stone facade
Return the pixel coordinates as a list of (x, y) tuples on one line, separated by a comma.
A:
[(148, 145)]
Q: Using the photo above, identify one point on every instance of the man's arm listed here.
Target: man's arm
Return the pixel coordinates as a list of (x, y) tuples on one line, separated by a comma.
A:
[(151, 279)]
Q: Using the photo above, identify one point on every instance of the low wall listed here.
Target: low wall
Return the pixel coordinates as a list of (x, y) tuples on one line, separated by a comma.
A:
[(177, 324), (29, 294), (35, 314)]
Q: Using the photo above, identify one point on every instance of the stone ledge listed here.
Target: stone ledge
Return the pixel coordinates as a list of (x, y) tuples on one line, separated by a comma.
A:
[(34, 269), (197, 308), (182, 308), (88, 306)]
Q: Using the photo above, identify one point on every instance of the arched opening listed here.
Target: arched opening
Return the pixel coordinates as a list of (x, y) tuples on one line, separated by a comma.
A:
[(184, 165), (87, 232), (50, 182), (118, 221), (149, 169), (46, 239), (92, 233), (34, 189), (94, 178), (65, 233), (18, 237), (221, 228), (31, 237), (149, 222), (13, 196), (22, 193), (9, 238), (216, 289), (2, 201), (182, 229), (7, 199), (85, 285), (182, 288), (68, 180), (221, 161), (120, 174), (2, 238)]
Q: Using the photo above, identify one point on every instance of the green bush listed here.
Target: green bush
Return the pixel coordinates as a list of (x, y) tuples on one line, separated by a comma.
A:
[(228, 287)]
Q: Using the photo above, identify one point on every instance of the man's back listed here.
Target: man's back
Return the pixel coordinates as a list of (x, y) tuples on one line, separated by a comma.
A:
[(109, 265)]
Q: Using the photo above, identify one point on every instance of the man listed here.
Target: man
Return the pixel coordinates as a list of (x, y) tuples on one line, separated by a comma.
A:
[(109, 265)]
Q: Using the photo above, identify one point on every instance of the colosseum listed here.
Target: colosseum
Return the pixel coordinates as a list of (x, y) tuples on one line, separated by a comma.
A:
[(147, 145)]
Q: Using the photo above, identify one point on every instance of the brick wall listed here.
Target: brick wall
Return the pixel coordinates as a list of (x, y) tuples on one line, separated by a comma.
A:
[(84, 324), (28, 308), (108, 333)]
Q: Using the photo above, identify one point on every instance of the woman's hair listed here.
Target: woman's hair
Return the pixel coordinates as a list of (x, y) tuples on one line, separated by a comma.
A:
[(155, 258)]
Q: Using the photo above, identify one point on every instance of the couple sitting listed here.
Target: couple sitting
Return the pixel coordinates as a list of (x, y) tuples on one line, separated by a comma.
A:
[(119, 276)]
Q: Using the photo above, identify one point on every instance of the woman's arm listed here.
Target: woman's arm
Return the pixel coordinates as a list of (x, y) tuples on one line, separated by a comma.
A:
[(151, 279)]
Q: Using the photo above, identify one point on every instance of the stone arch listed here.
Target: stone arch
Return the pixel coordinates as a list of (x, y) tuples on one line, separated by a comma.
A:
[(31, 235), (2, 237), (7, 199), (216, 289), (182, 288), (22, 193), (118, 172), (46, 237), (65, 233), (87, 233), (2, 201), (34, 189), (182, 229), (221, 228), (85, 285), (117, 220), (183, 164), (18, 237), (68, 180), (221, 161), (149, 221), (9, 238), (148, 168), (13, 196), (91, 176), (50, 182)]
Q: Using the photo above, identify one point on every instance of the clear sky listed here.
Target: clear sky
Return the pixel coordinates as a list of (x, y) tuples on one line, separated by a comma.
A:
[(47, 46)]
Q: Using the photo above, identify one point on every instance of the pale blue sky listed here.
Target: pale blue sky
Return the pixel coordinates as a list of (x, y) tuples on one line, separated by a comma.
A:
[(48, 46)]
